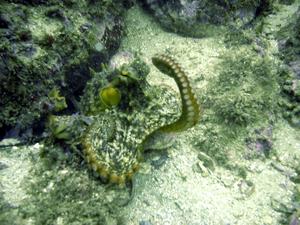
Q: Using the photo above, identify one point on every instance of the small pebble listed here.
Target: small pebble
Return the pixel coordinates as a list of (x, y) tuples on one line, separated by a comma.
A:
[(207, 161), (3, 166), (36, 146), (247, 187), (268, 220), (145, 222), (294, 220), (228, 181), (200, 168)]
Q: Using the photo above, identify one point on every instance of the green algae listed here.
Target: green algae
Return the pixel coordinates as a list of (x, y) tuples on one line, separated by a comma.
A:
[(58, 101), (36, 58), (246, 90), (289, 48), (80, 198), (207, 18), (45, 185)]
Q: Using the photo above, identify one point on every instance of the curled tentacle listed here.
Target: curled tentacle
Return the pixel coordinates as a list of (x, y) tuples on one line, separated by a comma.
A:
[(190, 112), (190, 108)]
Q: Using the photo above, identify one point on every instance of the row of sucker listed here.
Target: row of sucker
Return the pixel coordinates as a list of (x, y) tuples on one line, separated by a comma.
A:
[(104, 158), (190, 107)]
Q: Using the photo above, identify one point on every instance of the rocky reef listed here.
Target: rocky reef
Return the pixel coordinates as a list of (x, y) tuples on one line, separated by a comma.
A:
[(48, 45), (255, 78), (203, 18), (289, 46)]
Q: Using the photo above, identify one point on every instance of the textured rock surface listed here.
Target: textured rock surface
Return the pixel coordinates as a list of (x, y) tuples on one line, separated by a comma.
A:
[(50, 44), (288, 37), (199, 18)]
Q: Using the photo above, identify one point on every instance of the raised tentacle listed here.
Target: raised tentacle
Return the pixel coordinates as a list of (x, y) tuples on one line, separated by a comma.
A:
[(163, 136), (190, 108)]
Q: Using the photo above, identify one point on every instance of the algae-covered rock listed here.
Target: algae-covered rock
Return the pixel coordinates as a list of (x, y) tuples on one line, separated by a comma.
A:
[(289, 40), (246, 90), (198, 18), (241, 99), (46, 45), (52, 188), (289, 47), (260, 143)]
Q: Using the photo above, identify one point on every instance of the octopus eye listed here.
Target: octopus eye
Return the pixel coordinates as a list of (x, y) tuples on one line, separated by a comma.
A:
[(124, 73), (110, 96)]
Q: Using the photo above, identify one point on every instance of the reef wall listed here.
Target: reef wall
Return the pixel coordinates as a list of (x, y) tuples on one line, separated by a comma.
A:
[(50, 46), (198, 18)]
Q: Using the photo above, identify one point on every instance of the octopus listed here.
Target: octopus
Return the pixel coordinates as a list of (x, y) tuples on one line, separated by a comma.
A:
[(114, 137)]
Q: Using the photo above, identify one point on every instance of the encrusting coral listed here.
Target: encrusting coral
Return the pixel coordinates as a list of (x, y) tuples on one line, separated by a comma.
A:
[(114, 139)]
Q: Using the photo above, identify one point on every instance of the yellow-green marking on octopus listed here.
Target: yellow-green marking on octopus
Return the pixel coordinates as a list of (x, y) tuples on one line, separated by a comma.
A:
[(190, 113)]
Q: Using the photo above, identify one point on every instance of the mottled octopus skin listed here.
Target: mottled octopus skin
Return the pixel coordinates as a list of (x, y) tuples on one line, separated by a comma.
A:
[(118, 165), (106, 155)]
